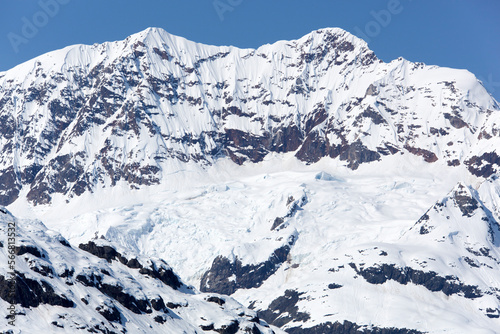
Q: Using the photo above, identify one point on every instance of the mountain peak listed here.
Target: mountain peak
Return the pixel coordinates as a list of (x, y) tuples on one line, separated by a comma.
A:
[(156, 37), (153, 34), (329, 33), (325, 95)]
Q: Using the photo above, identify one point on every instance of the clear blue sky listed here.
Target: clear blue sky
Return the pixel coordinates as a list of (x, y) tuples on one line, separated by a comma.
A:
[(453, 33)]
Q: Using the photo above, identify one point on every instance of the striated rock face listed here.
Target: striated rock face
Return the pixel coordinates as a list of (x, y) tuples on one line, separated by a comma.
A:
[(32, 293), (283, 310), (430, 280), (226, 277), (157, 269), (86, 117)]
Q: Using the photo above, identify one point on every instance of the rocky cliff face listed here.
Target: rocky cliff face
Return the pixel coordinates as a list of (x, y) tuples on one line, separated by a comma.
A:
[(85, 117)]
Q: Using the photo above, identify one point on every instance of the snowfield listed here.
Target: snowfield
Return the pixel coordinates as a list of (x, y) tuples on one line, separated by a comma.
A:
[(366, 218)]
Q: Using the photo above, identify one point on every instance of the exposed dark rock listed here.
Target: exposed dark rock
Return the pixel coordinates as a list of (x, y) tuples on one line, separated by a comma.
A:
[(253, 330), (375, 116), (217, 300), (331, 50), (137, 306), (293, 207), (8, 126), (163, 54), (455, 121), (485, 165), (439, 131), (484, 135), (207, 327), (316, 147), (317, 116), (296, 206), (163, 273), (388, 149), (42, 269), (31, 293), (371, 91), (110, 313), (29, 173), (134, 264), (104, 252), (286, 304), (465, 202), (450, 85), (217, 279), (348, 327), (286, 139), (493, 313), (161, 319), (9, 186), (485, 252), (92, 279), (237, 141), (427, 155), (356, 154), (71, 114), (313, 148), (232, 328), (470, 262), (159, 271), (233, 110), (64, 242), (23, 249), (55, 177), (173, 306), (255, 319), (334, 286), (218, 55), (57, 324), (277, 222), (158, 304), (424, 229), (430, 280)]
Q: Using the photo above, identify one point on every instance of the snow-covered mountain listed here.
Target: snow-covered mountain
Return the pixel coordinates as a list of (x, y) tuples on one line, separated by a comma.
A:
[(94, 288), (307, 180), (134, 111)]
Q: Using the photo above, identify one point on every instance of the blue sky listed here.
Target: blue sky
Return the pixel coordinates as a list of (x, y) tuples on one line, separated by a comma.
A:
[(453, 33)]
